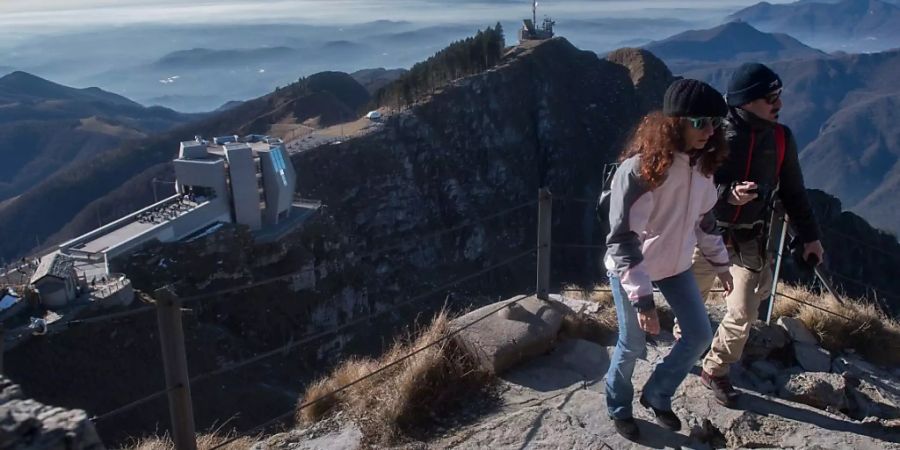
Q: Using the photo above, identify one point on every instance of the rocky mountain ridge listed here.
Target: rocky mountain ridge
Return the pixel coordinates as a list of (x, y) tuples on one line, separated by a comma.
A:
[(732, 42), (846, 25), (45, 127)]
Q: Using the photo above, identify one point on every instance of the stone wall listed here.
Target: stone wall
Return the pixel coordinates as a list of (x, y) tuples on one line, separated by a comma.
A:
[(26, 424)]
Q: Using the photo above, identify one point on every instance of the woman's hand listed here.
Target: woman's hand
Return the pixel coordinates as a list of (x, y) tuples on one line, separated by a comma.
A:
[(727, 281), (649, 321)]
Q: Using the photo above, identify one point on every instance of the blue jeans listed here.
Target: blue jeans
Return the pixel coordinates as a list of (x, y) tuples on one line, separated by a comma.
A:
[(683, 295)]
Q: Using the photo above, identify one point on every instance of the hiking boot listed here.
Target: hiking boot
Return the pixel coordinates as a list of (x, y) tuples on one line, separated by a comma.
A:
[(721, 387), (627, 428), (666, 418)]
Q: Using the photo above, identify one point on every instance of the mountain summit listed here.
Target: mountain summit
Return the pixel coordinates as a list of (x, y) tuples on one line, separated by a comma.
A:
[(735, 41), (851, 25), (22, 86)]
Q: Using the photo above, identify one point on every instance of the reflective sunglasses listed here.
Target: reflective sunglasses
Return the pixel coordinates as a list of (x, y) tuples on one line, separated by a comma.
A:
[(700, 122), (773, 97)]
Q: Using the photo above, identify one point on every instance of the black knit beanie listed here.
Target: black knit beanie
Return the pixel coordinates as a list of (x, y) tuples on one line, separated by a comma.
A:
[(693, 98), (749, 82)]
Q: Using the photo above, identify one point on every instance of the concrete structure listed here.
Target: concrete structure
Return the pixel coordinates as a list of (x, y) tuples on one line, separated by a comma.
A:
[(278, 181), (250, 182), (245, 189), (55, 280), (530, 31)]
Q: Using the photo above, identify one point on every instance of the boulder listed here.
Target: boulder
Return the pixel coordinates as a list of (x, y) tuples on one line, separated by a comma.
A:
[(827, 391), (27, 424), (797, 330), (765, 339), (525, 328), (812, 357), (764, 369), (752, 430)]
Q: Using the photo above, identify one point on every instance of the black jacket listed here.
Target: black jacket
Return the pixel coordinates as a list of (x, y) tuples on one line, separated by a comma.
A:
[(741, 130)]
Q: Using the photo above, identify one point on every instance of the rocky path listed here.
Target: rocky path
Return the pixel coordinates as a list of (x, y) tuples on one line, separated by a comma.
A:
[(557, 401), (795, 395)]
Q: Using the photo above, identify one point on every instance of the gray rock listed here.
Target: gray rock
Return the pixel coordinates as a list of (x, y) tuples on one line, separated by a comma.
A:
[(812, 357), (577, 306), (825, 391), (797, 330), (9, 391), (764, 339), (347, 438), (749, 376), (764, 369), (767, 388), (28, 424), (855, 365), (503, 340), (751, 430)]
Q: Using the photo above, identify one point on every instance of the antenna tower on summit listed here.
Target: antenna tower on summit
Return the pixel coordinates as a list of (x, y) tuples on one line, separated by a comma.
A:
[(530, 31)]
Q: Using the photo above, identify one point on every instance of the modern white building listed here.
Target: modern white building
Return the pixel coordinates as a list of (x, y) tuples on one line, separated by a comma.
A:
[(247, 181)]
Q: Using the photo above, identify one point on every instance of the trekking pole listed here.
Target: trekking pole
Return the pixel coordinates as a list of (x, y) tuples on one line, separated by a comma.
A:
[(780, 254), (824, 282), (827, 286)]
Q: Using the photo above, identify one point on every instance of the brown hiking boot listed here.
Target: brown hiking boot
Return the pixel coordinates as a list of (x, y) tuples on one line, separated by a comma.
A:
[(721, 387)]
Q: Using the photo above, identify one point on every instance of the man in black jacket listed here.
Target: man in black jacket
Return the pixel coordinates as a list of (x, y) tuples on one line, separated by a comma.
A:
[(749, 181)]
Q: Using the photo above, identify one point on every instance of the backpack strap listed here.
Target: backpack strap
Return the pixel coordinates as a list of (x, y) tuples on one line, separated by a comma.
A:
[(779, 148), (737, 211)]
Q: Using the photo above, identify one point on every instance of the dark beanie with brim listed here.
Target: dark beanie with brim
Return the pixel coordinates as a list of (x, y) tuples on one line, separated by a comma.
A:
[(693, 98), (749, 82)]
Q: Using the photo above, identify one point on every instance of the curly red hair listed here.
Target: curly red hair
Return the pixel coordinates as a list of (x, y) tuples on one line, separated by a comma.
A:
[(658, 137)]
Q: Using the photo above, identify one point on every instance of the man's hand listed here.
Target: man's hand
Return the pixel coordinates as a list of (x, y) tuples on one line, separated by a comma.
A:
[(649, 321), (727, 281), (814, 248), (741, 193)]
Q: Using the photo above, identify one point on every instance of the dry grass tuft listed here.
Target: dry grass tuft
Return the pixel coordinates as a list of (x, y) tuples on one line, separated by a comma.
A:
[(604, 320), (601, 327), (204, 442), (599, 294), (785, 307), (398, 400), (870, 332)]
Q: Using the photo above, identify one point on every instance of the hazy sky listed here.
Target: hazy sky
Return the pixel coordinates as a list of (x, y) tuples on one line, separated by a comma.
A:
[(37, 16)]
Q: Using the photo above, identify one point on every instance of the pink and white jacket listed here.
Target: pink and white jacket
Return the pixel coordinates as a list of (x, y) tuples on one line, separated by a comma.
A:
[(653, 232)]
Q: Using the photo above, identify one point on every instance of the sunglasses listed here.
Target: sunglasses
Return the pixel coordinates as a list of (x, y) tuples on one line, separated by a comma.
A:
[(773, 97), (701, 122)]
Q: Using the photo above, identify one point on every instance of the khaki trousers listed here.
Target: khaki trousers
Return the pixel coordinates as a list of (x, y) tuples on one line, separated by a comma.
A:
[(752, 284)]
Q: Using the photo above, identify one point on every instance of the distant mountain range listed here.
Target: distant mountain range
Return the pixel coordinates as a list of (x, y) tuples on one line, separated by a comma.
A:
[(45, 126), (375, 79), (849, 25), (843, 111), (203, 77), (70, 197), (733, 42)]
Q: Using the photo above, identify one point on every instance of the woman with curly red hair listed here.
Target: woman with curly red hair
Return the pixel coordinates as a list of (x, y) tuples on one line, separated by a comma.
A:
[(660, 209)]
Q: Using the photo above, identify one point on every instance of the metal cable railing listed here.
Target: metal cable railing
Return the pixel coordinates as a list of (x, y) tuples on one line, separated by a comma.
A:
[(379, 370), (277, 278), (394, 307), (313, 336)]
